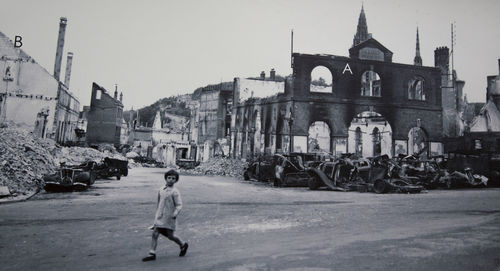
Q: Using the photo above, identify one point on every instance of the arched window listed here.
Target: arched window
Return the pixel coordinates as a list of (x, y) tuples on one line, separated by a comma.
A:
[(416, 89), (321, 80), (371, 84)]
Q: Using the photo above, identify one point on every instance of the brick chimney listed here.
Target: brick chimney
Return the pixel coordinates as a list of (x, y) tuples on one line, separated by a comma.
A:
[(272, 74), (263, 75), (60, 47), (69, 62), (442, 59)]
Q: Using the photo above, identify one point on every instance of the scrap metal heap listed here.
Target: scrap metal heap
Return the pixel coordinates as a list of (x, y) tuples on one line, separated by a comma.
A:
[(381, 174)]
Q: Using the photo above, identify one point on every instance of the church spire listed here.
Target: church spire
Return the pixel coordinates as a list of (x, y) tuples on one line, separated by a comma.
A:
[(417, 60), (362, 30)]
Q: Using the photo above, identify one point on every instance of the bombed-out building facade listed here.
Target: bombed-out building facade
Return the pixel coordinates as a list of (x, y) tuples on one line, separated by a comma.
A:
[(33, 98), (371, 106), (105, 118)]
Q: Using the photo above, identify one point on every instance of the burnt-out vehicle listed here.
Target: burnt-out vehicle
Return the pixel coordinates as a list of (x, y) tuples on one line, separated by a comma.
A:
[(313, 159), (481, 165), (70, 178), (261, 168), (290, 171), (424, 172), (111, 167), (464, 179), (380, 175), (385, 176), (342, 174)]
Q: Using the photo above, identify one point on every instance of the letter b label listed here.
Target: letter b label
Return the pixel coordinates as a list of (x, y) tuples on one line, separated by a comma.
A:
[(18, 42)]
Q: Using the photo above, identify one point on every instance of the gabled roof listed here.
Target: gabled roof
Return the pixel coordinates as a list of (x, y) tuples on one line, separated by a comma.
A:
[(370, 43), (106, 94), (7, 49)]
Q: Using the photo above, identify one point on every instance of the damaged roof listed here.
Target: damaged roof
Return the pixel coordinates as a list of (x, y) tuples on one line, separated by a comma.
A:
[(488, 119)]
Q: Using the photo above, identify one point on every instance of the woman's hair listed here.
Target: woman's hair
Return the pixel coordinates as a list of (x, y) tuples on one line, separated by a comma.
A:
[(172, 172)]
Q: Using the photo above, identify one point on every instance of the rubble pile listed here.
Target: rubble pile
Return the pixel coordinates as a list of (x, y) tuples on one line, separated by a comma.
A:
[(24, 160), (219, 166), (79, 155)]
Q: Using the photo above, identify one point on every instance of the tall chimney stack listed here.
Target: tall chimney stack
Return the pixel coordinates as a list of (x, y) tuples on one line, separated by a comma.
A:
[(116, 92), (67, 76), (60, 46)]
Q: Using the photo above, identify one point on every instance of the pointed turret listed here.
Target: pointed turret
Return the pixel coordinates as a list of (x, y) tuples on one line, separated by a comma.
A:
[(362, 30), (417, 61)]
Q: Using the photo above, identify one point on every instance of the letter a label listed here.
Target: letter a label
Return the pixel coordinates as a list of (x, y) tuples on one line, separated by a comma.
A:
[(347, 68)]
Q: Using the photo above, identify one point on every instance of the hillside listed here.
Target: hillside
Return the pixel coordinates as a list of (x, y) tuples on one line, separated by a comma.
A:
[(176, 105)]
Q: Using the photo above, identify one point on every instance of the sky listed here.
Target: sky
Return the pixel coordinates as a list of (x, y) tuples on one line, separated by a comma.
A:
[(156, 49)]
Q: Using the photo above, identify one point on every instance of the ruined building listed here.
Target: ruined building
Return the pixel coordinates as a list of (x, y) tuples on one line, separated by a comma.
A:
[(31, 97), (105, 117), (210, 121), (363, 104), (483, 136)]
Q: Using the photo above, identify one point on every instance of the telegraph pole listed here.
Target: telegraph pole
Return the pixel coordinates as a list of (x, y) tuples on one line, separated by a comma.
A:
[(453, 40), (291, 50)]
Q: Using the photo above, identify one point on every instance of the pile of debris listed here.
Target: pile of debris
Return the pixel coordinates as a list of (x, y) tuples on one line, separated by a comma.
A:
[(219, 166), (25, 159), (79, 155)]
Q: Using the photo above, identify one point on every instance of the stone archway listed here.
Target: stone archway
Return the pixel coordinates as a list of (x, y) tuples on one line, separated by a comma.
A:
[(370, 134), (319, 137)]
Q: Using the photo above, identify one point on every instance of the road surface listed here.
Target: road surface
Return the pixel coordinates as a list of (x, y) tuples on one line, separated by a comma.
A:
[(232, 224)]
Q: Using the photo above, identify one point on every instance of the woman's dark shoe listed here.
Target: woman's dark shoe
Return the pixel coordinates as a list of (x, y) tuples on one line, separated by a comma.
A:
[(150, 257), (184, 249)]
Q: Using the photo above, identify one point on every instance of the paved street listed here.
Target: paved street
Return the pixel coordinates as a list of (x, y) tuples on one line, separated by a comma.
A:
[(237, 225)]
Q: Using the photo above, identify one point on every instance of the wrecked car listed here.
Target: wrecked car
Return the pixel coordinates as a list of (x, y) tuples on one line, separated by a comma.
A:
[(187, 163), (111, 167), (71, 178), (385, 176), (261, 169), (380, 175), (290, 171), (464, 180), (421, 171), (340, 175)]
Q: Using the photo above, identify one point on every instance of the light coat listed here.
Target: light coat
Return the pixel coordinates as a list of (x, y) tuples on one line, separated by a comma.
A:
[(168, 207)]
